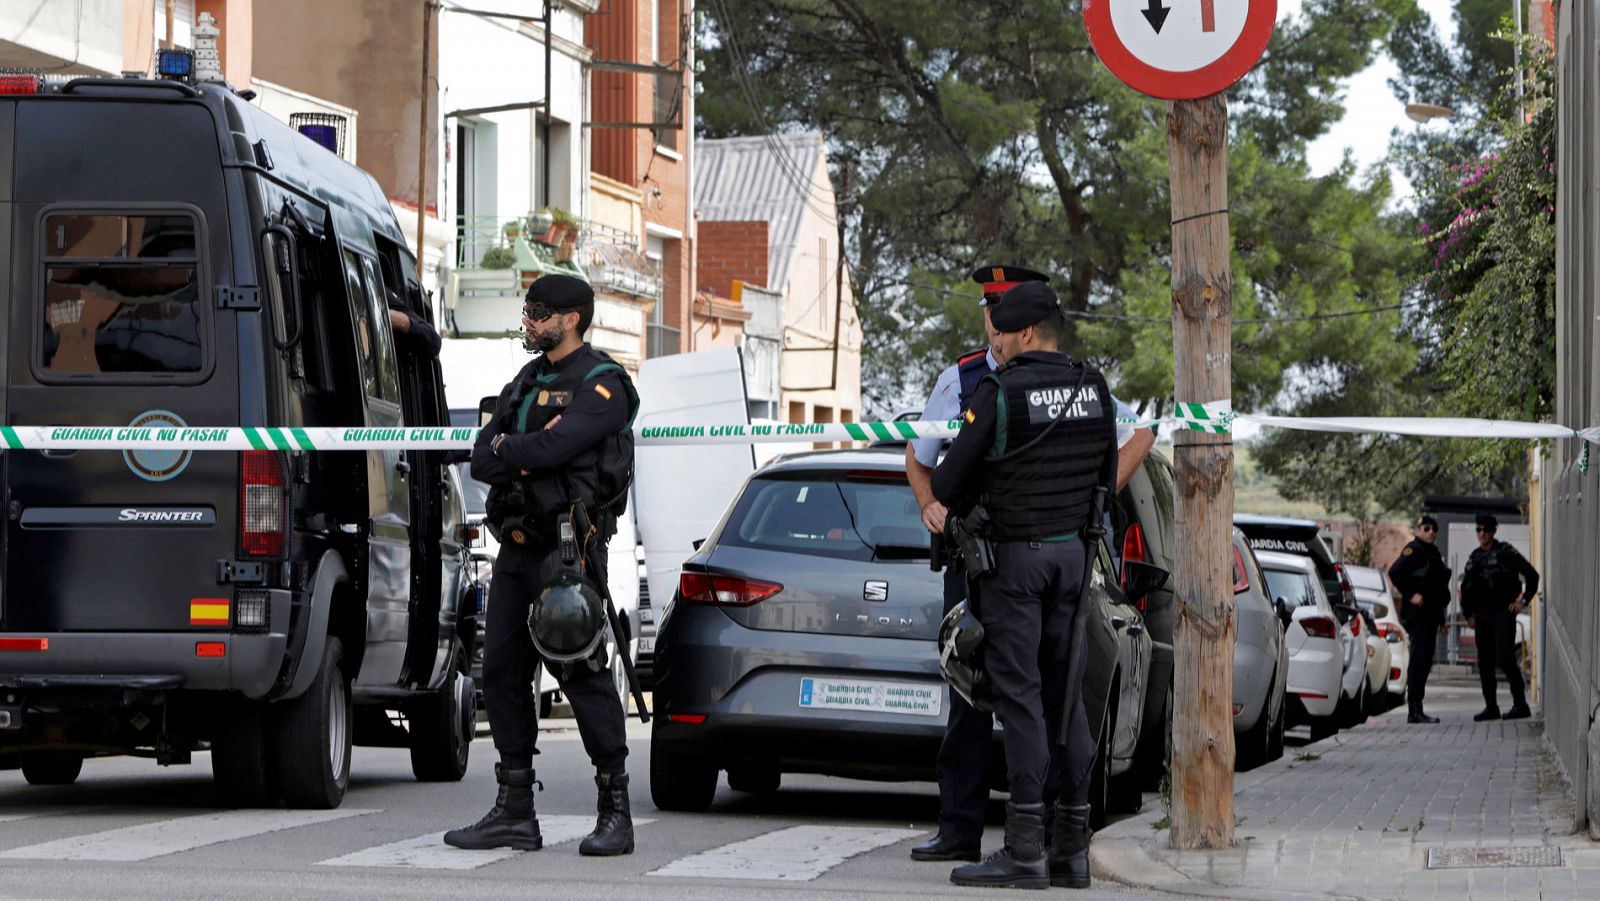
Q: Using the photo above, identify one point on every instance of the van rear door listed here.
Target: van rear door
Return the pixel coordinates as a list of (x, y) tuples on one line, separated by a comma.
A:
[(112, 323)]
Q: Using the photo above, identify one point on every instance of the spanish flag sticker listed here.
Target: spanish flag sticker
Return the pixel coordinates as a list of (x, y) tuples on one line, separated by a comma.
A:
[(968, 417), (602, 391), (208, 611)]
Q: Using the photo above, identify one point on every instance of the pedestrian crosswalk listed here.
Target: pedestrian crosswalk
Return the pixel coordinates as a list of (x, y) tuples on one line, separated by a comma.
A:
[(429, 852), (794, 853)]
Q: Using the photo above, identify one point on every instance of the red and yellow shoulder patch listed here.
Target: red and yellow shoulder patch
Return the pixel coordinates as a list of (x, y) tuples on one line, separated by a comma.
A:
[(969, 417), (603, 391)]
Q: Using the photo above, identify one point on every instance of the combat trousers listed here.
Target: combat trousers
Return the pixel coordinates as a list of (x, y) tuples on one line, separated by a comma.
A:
[(1424, 632), (510, 661), (963, 763), (1496, 635), (1029, 610)]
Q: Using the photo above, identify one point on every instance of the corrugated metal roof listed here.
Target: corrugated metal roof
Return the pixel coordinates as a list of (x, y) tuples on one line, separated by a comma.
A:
[(764, 178)]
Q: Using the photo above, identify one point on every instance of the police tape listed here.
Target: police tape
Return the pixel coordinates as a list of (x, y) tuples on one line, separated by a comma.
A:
[(1215, 417)]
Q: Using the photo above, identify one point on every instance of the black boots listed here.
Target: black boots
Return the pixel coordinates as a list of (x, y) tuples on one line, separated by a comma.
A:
[(1518, 711), (1417, 716), (613, 829), (510, 823), (1069, 847), (941, 848), (1488, 713), (1021, 863)]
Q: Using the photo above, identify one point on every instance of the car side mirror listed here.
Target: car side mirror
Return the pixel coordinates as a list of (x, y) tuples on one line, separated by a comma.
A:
[(486, 410), (1142, 579), (1281, 605), (698, 542)]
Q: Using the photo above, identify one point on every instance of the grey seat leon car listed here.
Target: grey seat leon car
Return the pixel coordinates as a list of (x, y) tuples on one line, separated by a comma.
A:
[(803, 639)]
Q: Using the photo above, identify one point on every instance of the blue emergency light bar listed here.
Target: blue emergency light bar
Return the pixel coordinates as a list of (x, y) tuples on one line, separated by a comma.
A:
[(175, 64)]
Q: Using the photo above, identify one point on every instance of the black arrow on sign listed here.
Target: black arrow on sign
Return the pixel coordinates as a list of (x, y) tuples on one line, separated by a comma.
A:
[(1156, 14)]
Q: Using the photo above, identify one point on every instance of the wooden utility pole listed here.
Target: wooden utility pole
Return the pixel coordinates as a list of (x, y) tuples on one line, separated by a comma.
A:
[(1202, 360), (422, 134)]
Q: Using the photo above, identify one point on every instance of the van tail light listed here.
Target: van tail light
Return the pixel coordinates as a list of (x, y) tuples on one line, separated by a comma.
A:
[(1319, 626), (724, 591), (263, 504)]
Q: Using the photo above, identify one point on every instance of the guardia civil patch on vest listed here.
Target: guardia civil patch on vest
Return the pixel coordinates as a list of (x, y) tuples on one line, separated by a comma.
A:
[(1047, 404)]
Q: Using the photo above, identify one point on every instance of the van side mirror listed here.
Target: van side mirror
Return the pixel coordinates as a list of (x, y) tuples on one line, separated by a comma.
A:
[(1142, 579), (486, 410)]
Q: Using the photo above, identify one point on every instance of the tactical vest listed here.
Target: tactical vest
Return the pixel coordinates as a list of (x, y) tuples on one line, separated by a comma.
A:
[(598, 477), (1039, 485), (971, 367), (1489, 577)]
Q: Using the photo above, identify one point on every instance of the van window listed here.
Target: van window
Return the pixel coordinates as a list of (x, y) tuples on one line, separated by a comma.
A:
[(121, 295), (388, 372)]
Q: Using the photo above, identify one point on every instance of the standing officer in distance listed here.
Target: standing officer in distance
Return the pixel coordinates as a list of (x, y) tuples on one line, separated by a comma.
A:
[(546, 450), (1423, 580), (1036, 455), (963, 763), (1496, 584)]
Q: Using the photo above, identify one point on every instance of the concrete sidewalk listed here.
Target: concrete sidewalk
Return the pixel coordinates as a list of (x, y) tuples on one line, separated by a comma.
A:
[(1361, 815)]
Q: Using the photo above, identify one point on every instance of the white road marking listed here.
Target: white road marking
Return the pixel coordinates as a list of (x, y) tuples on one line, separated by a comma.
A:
[(172, 836), (429, 852), (796, 854)]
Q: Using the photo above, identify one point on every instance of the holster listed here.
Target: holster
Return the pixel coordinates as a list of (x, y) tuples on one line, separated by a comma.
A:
[(968, 537)]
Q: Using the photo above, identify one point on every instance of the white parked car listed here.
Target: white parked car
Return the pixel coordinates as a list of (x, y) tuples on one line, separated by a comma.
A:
[(1374, 699), (1377, 596), (1315, 641)]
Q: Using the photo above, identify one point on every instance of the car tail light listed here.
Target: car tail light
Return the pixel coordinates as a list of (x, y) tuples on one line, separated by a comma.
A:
[(1394, 672), (1355, 626), (24, 644), (1241, 582), (724, 591), (1315, 695), (1319, 626), (693, 719), (1344, 579), (1134, 550), (263, 504), (1387, 629)]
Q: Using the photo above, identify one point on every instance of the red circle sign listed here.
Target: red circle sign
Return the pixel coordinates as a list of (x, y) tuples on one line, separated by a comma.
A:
[(1179, 49)]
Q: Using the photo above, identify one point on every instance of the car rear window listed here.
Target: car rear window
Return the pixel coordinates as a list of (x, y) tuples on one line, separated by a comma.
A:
[(1370, 579), (120, 295), (1295, 588), (1378, 611), (855, 517)]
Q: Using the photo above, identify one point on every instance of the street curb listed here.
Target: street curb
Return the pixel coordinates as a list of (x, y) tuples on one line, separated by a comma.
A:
[(1135, 862)]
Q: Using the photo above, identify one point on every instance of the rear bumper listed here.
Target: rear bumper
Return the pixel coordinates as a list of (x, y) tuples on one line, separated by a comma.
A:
[(92, 661), (747, 685)]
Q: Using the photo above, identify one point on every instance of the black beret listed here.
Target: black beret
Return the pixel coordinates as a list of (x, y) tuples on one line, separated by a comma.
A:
[(996, 280), (560, 292), (1022, 306), (1427, 520), (1488, 521)]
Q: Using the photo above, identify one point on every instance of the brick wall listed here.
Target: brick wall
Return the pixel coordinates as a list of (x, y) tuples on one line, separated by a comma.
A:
[(731, 251)]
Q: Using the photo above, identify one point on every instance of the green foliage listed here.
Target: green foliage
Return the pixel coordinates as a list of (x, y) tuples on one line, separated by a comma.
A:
[(498, 258), (964, 133)]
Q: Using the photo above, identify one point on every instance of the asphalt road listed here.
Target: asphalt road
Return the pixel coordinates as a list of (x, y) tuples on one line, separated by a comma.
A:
[(130, 829)]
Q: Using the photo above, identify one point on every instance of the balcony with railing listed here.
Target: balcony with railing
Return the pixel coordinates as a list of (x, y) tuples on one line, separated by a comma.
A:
[(614, 263)]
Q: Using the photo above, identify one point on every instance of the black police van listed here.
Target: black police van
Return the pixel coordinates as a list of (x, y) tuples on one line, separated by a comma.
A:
[(177, 257)]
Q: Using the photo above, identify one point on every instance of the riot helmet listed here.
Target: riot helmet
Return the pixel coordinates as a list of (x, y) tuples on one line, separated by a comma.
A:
[(961, 657), (568, 620)]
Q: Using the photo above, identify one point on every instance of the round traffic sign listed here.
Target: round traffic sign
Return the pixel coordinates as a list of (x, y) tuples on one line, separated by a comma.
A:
[(1179, 49)]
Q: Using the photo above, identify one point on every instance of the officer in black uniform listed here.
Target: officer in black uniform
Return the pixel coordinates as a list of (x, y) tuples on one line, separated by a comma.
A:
[(963, 763), (1496, 584), (546, 450), (1030, 471), (412, 333), (1423, 580)]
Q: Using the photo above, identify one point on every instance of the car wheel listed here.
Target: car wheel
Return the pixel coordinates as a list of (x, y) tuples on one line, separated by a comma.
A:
[(1099, 784), (1253, 748), (314, 737), (443, 726), (243, 768), (1275, 746), (754, 779), (45, 768), (680, 783)]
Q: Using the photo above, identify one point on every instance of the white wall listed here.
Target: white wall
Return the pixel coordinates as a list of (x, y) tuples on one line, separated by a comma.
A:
[(81, 36), (809, 310)]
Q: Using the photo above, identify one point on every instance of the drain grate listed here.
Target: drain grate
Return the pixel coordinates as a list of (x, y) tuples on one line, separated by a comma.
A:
[(1454, 858)]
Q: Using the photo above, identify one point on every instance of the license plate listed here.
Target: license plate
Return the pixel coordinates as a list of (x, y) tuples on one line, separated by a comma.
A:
[(912, 698), (647, 645)]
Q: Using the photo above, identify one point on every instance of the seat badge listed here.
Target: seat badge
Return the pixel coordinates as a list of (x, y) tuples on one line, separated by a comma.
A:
[(875, 590)]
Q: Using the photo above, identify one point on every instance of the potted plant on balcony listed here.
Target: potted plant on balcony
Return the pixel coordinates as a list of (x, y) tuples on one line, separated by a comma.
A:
[(562, 224), (511, 229), (498, 258)]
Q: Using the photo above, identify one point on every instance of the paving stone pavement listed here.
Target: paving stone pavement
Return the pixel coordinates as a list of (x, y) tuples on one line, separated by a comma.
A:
[(1354, 816)]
